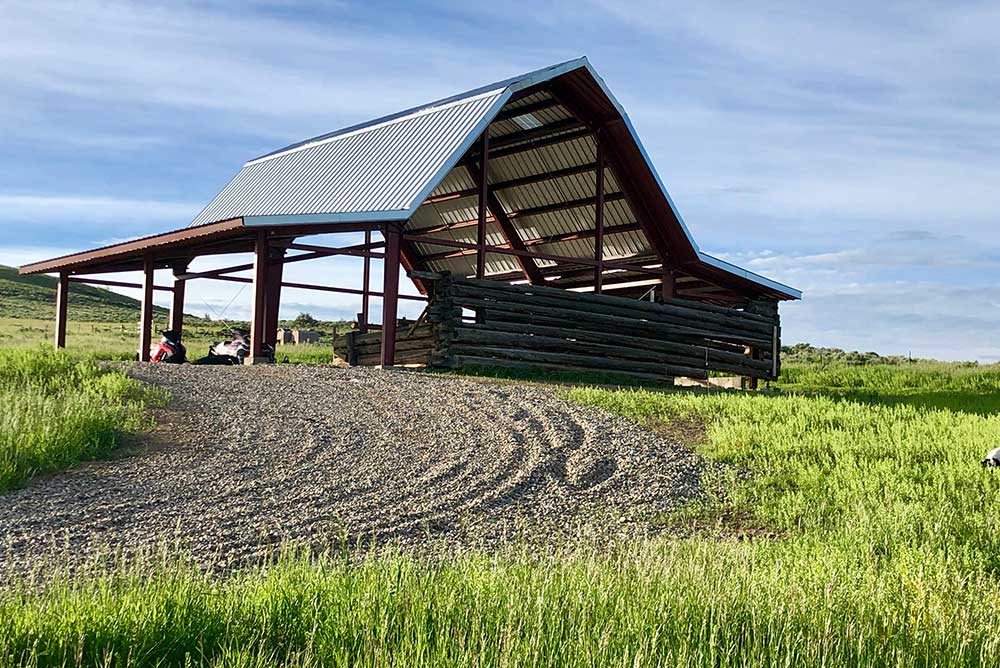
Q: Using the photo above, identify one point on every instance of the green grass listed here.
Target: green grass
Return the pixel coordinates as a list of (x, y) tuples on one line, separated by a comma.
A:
[(35, 297), (119, 341), (57, 410), (681, 603), (849, 524)]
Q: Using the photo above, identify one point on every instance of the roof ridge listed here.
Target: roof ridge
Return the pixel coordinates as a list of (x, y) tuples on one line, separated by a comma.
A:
[(406, 113), (369, 126)]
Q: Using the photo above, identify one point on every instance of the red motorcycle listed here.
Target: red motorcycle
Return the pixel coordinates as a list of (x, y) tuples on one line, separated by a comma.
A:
[(169, 350)]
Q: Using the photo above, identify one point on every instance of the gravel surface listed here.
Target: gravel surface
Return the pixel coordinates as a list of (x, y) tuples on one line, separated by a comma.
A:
[(246, 458)]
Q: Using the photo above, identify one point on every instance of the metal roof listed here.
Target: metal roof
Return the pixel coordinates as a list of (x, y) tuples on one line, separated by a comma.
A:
[(385, 170), (370, 172)]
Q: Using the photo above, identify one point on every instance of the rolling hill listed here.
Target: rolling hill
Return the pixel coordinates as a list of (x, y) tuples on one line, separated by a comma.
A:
[(35, 297)]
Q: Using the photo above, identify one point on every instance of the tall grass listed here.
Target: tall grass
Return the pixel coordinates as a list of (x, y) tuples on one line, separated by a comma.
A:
[(682, 603), (57, 410), (865, 535)]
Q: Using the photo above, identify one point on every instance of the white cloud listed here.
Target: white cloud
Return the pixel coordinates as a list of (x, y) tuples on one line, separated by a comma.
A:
[(44, 209), (220, 58)]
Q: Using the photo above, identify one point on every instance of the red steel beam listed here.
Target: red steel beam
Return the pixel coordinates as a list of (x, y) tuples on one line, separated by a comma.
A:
[(539, 143), (507, 229), (272, 303), (532, 211), (114, 284), (532, 107), (483, 177), (539, 256), (366, 274), (599, 220), (361, 250), (320, 288), (146, 308), (390, 292), (555, 238), (62, 297), (516, 183), (258, 316), (177, 302), (516, 139)]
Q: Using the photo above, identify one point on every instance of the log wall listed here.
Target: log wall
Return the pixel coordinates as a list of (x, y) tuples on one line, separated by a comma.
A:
[(486, 323), (415, 341)]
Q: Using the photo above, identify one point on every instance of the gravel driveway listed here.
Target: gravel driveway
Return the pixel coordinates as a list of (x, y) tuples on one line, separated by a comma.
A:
[(249, 457)]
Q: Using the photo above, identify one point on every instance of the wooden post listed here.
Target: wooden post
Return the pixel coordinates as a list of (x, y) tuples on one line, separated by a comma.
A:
[(258, 313), (366, 280), (390, 294), (62, 297), (669, 285), (177, 302), (484, 170), (272, 303), (599, 220), (146, 309)]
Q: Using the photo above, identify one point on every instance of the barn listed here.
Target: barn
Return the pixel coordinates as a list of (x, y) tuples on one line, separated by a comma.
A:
[(527, 215)]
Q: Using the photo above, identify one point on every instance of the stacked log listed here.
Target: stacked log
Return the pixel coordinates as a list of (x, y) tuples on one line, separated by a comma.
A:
[(414, 345), (538, 326)]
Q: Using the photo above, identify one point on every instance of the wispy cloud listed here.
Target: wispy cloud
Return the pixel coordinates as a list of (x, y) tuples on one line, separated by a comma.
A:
[(849, 150), (44, 209)]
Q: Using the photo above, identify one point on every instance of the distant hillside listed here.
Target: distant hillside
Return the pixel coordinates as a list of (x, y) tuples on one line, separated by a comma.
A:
[(804, 353), (35, 297)]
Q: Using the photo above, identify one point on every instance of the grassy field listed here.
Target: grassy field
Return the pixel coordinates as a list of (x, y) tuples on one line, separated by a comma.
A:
[(104, 325), (35, 297), (118, 341), (849, 524), (57, 410)]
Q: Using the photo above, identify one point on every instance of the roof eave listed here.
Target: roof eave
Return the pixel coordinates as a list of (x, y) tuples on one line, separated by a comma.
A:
[(730, 268), (131, 248)]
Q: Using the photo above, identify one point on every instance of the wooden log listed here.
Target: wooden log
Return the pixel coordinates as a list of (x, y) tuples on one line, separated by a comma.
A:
[(418, 344), (665, 328), (595, 362), (645, 329), (460, 361), (698, 354), (622, 308), (676, 307), (610, 352), (404, 357), (468, 338), (714, 308)]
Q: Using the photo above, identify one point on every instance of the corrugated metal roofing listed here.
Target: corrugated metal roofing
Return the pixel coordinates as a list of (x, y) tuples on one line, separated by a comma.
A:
[(379, 168), (385, 169)]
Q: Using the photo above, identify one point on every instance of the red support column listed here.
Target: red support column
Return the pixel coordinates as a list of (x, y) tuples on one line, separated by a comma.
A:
[(258, 313), (177, 302), (275, 271), (146, 309), (390, 294), (62, 297), (599, 219), (484, 171), (366, 279)]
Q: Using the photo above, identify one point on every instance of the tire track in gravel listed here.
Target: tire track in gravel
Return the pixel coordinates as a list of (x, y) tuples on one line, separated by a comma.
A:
[(247, 457)]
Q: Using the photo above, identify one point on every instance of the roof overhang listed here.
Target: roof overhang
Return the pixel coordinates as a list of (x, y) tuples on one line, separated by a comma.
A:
[(180, 246)]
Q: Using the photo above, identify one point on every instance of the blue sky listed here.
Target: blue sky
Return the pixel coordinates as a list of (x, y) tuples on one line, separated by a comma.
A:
[(849, 149)]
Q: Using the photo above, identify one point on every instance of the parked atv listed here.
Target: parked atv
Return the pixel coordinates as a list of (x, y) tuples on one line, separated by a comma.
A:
[(233, 352), (169, 350)]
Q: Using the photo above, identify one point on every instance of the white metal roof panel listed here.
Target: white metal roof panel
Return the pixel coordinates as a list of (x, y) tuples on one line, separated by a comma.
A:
[(371, 170)]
